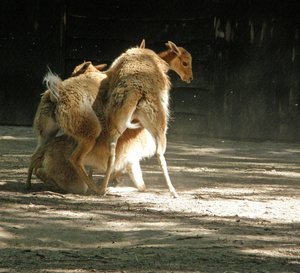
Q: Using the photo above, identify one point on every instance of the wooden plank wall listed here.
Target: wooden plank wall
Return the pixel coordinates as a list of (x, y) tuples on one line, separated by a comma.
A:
[(257, 65), (30, 40), (245, 58)]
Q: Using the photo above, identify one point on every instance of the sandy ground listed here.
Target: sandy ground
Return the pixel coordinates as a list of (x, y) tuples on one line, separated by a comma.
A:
[(238, 211)]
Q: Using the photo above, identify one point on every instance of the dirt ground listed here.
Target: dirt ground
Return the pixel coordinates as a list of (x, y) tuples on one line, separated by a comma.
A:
[(238, 211)]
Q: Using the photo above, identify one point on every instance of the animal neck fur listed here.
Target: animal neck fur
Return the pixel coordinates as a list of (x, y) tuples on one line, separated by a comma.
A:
[(168, 56)]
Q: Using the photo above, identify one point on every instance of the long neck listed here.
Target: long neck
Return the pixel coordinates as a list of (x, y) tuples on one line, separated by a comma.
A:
[(167, 56)]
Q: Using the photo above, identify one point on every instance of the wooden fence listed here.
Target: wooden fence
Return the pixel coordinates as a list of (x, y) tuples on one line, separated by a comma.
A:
[(245, 58)]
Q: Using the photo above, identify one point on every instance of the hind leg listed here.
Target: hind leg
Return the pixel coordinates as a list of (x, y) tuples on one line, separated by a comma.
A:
[(112, 143), (118, 120), (85, 128), (157, 127), (160, 151), (76, 159), (136, 175)]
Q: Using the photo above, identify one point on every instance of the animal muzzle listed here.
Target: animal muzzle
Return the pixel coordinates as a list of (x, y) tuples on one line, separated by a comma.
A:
[(187, 79)]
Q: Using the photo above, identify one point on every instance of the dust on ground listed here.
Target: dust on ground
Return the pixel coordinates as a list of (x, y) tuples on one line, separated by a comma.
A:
[(238, 211)]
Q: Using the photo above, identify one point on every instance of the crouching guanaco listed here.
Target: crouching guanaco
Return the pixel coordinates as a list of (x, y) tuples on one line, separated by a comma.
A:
[(51, 164)]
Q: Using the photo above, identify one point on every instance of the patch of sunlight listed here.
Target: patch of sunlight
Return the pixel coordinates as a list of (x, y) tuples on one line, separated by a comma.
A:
[(5, 234), (158, 225), (130, 226), (121, 189), (15, 138), (270, 210), (293, 150), (234, 191), (191, 170), (66, 214), (198, 151), (107, 242), (15, 155), (281, 173), (263, 238), (290, 250), (154, 172), (287, 152), (214, 150), (21, 170)]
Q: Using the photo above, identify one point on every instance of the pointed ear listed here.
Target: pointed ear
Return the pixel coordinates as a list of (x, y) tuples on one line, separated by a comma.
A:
[(100, 66), (79, 69), (84, 67), (174, 47), (142, 45)]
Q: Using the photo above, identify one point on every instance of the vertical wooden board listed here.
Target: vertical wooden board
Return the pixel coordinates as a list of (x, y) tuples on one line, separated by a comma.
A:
[(133, 29), (142, 10), (191, 101), (30, 43), (183, 123), (202, 77), (96, 49)]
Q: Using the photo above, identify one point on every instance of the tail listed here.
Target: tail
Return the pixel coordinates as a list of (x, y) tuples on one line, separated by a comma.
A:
[(53, 83), (133, 125), (129, 123)]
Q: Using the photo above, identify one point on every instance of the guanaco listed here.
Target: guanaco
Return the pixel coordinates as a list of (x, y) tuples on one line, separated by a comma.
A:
[(87, 128)]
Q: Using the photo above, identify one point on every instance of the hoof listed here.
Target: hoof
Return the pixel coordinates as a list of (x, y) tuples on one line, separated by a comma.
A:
[(142, 188), (102, 191), (174, 194), (97, 191)]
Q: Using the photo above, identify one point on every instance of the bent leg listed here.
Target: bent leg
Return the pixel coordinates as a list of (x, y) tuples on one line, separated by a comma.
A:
[(76, 159)]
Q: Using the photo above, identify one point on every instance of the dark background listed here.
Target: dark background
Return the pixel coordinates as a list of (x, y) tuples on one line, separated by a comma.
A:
[(245, 58)]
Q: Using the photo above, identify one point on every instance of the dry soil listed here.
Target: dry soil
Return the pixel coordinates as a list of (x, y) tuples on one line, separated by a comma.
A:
[(238, 211)]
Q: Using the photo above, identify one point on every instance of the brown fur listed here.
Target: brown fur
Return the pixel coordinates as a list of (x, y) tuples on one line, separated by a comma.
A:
[(139, 88), (179, 60), (45, 123), (67, 115), (51, 164), (75, 114), (84, 124)]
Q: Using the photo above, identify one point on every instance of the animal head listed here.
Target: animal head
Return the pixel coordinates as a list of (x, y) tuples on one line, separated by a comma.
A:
[(87, 67), (182, 63)]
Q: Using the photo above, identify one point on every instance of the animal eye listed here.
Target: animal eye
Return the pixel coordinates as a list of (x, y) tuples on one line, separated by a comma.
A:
[(184, 64)]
